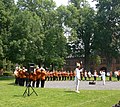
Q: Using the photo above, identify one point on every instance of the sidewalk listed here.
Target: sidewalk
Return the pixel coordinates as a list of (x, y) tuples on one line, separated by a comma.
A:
[(84, 85)]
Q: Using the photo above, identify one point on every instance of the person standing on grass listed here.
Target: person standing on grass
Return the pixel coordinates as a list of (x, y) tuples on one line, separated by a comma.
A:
[(77, 76), (38, 76), (85, 75), (71, 75), (110, 76), (118, 75), (43, 75), (16, 73), (103, 76), (89, 75), (95, 75)]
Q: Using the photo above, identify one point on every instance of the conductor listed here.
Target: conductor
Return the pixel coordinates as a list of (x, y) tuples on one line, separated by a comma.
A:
[(77, 76)]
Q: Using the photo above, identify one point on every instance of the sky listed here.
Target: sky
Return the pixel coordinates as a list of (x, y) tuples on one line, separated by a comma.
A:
[(65, 2)]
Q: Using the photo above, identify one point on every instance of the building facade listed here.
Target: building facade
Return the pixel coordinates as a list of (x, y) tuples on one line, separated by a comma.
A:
[(71, 64)]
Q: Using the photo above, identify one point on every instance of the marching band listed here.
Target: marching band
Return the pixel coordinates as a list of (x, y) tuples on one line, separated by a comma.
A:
[(22, 76)]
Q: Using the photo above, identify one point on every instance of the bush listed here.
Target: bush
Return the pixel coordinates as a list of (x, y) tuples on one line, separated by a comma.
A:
[(7, 74)]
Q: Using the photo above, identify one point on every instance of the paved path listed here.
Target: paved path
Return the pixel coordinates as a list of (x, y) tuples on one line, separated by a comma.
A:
[(84, 85)]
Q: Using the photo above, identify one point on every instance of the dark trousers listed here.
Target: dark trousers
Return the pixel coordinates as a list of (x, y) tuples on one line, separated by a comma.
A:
[(33, 83), (51, 78), (21, 81), (70, 77), (48, 78), (37, 82), (110, 78), (118, 78), (54, 78), (85, 78), (59, 78), (42, 83), (94, 78), (27, 81), (16, 80)]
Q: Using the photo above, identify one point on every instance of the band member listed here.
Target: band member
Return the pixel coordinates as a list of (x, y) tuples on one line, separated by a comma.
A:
[(30, 77), (89, 75), (51, 75), (43, 74), (56, 75), (103, 76), (74, 74), (27, 78), (63, 75), (110, 76), (85, 75), (34, 79), (16, 73), (95, 75), (38, 73), (48, 75), (117, 75), (59, 75), (71, 75), (81, 75), (67, 75), (21, 80), (23, 75)]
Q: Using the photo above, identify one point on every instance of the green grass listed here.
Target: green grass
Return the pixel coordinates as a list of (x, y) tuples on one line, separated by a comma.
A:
[(12, 96)]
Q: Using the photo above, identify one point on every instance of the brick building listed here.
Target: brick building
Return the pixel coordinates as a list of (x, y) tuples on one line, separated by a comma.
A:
[(71, 64)]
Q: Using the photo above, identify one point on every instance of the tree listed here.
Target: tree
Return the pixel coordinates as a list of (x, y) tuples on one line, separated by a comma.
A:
[(7, 9), (81, 20), (26, 40), (53, 42), (107, 32)]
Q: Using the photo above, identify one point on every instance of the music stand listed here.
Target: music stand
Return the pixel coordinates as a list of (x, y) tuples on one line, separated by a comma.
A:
[(27, 90)]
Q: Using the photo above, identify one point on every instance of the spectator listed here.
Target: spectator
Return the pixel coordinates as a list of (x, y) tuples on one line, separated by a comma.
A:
[(103, 76), (85, 75), (89, 75), (95, 75)]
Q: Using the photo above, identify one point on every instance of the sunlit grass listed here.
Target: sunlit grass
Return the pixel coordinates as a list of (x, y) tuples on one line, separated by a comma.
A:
[(12, 96)]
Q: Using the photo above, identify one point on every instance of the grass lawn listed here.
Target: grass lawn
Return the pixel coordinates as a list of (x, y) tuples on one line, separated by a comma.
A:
[(12, 96)]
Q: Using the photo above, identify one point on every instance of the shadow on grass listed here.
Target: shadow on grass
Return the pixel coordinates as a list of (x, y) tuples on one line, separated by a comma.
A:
[(12, 84), (18, 96), (6, 77), (70, 91)]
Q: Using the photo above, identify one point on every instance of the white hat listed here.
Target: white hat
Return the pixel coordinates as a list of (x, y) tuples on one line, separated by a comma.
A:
[(37, 67), (42, 69), (17, 68)]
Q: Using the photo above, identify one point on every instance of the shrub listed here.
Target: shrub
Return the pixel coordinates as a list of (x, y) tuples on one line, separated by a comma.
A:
[(7, 74)]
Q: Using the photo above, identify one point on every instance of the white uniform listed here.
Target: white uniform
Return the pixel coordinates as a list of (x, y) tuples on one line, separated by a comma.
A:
[(77, 78), (89, 74), (103, 77)]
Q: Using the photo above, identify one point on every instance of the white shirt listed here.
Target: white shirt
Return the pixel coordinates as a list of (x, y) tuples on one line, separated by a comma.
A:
[(78, 73), (103, 75), (85, 74), (95, 73), (89, 74), (16, 73)]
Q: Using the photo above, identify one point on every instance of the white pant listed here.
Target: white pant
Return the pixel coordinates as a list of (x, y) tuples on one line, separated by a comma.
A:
[(103, 80), (77, 84)]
